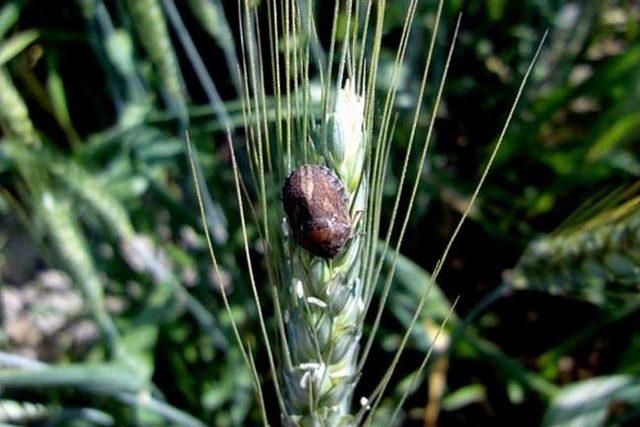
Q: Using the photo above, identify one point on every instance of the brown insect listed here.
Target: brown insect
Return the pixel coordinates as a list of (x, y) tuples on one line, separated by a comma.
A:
[(316, 206)]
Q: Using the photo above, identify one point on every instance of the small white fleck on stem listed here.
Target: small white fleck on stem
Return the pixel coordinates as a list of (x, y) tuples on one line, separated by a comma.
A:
[(317, 302), (364, 402), (309, 366), (304, 380), (299, 289)]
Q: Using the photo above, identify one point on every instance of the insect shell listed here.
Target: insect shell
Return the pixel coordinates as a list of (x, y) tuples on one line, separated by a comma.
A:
[(316, 206)]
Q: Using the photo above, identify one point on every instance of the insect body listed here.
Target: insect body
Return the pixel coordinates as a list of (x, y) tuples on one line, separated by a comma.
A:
[(316, 206)]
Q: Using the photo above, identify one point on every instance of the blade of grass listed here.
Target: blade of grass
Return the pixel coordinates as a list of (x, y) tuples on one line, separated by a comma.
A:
[(211, 15), (9, 14), (15, 44), (196, 62), (97, 378), (70, 375)]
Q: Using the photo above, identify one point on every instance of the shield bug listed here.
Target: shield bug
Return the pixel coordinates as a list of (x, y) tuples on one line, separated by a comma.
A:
[(316, 207)]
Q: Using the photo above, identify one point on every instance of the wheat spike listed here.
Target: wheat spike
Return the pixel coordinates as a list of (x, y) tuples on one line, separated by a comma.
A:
[(592, 261), (14, 114)]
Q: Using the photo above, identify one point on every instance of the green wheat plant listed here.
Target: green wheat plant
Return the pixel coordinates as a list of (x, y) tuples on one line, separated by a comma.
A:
[(303, 102), (52, 190), (149, 22), (326, 114), (14, 111), (593, 256)]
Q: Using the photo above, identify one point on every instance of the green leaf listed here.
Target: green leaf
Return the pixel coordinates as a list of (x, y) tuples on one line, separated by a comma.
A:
[(119, 47), (16, 44), (409, 282), (464, 396), (58, 97), (586, 403), (9, 15), (27, 413), (101, 378), (624, 128)]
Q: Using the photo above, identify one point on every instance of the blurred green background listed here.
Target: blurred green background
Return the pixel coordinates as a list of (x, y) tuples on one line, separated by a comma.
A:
[(105, 273)]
